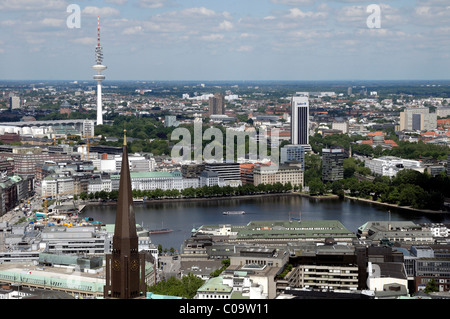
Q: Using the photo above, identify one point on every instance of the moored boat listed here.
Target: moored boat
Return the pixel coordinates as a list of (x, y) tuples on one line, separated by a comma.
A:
[(159, 231)]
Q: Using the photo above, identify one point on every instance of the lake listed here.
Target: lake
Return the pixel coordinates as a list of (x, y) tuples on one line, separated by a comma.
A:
[(183, 216)]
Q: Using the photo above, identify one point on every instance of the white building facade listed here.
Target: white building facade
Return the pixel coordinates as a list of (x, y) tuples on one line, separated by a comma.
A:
[(390, 165)]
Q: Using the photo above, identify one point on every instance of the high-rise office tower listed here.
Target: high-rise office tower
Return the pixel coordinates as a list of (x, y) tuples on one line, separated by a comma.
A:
[(300, 120), (217, 104), (99, 67)]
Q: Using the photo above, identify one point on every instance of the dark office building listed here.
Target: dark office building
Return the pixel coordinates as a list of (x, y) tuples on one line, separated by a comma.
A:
[(192, 170), (332, 164), (225, 171), (105, 149), (448, 165)]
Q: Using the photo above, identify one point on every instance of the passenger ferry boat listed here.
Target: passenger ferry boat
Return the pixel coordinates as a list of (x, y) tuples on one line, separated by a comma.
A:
[(235, 212)]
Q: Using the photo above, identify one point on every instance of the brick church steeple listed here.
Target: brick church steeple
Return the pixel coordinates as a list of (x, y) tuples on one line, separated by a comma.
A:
[(125, 266)]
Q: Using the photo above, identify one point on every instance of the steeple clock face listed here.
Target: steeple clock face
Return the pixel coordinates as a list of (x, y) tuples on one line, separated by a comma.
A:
[(134, 265), (116, 264)]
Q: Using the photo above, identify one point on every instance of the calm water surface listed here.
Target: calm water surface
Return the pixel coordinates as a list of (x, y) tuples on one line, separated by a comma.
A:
[(182, 217)]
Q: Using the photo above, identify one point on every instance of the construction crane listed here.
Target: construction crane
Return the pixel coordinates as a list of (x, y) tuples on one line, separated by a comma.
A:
[(87, 137), (45, 214), (64, 138)]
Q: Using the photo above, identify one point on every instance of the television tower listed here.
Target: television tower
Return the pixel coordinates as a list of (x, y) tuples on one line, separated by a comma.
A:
[(99, 67)]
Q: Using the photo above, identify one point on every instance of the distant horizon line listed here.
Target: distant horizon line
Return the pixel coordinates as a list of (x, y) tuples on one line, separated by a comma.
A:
[(200, 81)]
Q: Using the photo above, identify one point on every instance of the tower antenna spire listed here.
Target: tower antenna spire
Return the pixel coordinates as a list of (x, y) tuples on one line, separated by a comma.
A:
[(98, 31), (98, 49), (99, 67)]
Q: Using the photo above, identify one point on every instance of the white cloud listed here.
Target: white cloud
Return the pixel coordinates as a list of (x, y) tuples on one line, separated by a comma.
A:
[(202, 11), (35, 41), (51, 22), (244, 48), (85, 41), (283, 29), (226, 25), (133, 30), (352, 14), (33, 5), (102, 12), (118, 2), (296, 13), (8, 22), (431, 15), (213, 37), (152, 4), (294, 2), (247, 35)]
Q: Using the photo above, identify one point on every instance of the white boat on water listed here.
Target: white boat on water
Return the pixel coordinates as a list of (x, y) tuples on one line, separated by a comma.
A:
[(235, 212)]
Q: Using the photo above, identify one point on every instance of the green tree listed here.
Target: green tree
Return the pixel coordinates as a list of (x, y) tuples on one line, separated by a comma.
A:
[(185, 287), (365, 189), (431, 287), (83, 196), (313, 167), (316, 187), (217, 272), (393, 196), (412, 195)]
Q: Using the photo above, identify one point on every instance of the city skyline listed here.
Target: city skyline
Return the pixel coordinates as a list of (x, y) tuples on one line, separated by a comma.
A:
[(165, 40)]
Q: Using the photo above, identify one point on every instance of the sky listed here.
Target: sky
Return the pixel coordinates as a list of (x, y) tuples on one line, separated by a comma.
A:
[(214, 40)]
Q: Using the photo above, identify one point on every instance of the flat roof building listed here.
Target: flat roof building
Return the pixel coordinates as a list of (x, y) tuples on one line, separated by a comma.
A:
[(280, 232), (405, 232)]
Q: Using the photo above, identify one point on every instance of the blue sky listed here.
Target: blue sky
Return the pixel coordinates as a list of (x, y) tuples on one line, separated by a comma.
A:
[(226, 40)]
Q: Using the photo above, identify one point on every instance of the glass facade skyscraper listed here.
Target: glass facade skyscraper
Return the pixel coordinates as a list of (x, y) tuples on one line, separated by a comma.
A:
[(300, 120)]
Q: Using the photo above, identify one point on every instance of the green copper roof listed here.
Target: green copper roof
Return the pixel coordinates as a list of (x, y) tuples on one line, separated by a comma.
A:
[(215, 285), (151, 174)]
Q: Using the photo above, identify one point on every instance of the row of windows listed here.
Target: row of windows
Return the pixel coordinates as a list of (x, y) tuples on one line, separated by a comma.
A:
[(217, 296), (259, 262), (56, 284)]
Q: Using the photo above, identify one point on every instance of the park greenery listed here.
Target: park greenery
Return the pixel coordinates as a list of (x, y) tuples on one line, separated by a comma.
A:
[(408, 188), (405, 149), (199, 192), (217, 272), (185, 287), (149, 135), (144, 134)]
